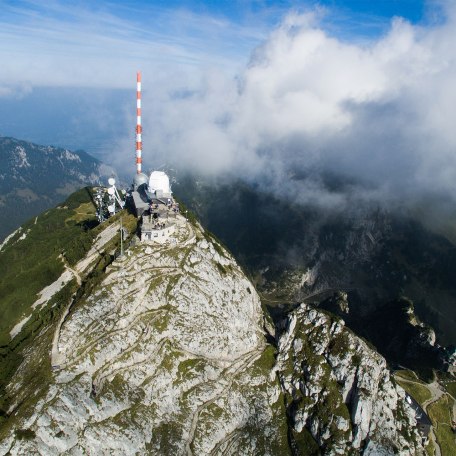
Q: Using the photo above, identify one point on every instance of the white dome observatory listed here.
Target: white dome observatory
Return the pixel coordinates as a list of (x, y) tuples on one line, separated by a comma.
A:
[(159, 182)]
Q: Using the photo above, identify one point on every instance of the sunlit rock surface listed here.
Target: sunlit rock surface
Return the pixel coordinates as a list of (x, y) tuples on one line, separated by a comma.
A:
[(340, 391), (166, 356)]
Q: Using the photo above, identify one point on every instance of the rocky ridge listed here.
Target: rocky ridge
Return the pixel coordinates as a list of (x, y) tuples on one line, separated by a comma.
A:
[(167, 355), (340, 390)]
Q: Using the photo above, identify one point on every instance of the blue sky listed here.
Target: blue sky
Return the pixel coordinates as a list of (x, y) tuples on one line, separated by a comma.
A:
[(240, 10), (41, 41)]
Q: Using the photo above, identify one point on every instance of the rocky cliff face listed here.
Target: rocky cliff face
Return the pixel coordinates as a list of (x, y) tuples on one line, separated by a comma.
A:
[(166, 356), (340, 391)]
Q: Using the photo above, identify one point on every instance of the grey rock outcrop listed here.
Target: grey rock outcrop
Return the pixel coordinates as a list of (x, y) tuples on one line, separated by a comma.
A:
[(339, 390)]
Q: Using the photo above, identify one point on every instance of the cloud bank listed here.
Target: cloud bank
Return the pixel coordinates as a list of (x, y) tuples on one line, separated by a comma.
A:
[(310, 107)]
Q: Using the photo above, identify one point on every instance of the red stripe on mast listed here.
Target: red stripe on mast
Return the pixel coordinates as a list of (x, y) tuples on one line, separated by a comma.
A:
[(138, 124)]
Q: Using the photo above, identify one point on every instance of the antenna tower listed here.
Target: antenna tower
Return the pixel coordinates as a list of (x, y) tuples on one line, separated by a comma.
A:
[(138, 123)]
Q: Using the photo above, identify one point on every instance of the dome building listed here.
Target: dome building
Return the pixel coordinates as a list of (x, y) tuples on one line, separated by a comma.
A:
[(159, 184), (140, 179)]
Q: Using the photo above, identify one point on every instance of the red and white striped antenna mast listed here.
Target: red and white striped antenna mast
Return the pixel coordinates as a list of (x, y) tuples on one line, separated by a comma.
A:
[(138, 124)]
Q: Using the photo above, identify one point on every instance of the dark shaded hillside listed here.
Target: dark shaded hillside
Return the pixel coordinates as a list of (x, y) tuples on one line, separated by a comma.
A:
[(34, 178), (300, 251)]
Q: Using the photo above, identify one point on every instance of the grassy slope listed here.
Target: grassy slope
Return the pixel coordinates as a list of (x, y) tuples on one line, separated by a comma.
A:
[(438, 411), (419, 393), (417, 389), (28, 265), (451, 388)]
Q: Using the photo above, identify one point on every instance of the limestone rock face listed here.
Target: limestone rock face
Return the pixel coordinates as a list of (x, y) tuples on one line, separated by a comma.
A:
[(340, 391), (166, 356)]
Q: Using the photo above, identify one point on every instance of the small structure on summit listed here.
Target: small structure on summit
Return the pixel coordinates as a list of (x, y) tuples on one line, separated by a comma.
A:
[(151, 197), (159, 183), (157, 226), (108, 200)]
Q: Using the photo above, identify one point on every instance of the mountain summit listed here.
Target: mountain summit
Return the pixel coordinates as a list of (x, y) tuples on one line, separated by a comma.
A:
[(163, 350)]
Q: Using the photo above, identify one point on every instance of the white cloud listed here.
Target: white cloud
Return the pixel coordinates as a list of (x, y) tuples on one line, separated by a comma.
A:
[(381, 114)]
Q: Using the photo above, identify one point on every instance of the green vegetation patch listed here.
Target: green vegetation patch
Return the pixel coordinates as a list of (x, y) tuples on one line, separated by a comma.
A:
[(38, 374), (170, 356), (304, 444), (167, 438), (340, 345), (209, 421), (117, 386), (172, 282), (264, 364), (30, 264), (451, 388), (420, 393), (84, 213), (189, 369), (221, 268), (24, 434), (440, 414), (34, 379), (407, 375), (430, 451)]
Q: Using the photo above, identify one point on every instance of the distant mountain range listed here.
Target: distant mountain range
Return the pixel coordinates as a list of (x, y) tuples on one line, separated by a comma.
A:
[(34, 178)]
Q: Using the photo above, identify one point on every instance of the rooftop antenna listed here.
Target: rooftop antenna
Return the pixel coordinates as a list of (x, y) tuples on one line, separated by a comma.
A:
[(114, 196), (138, 124)]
